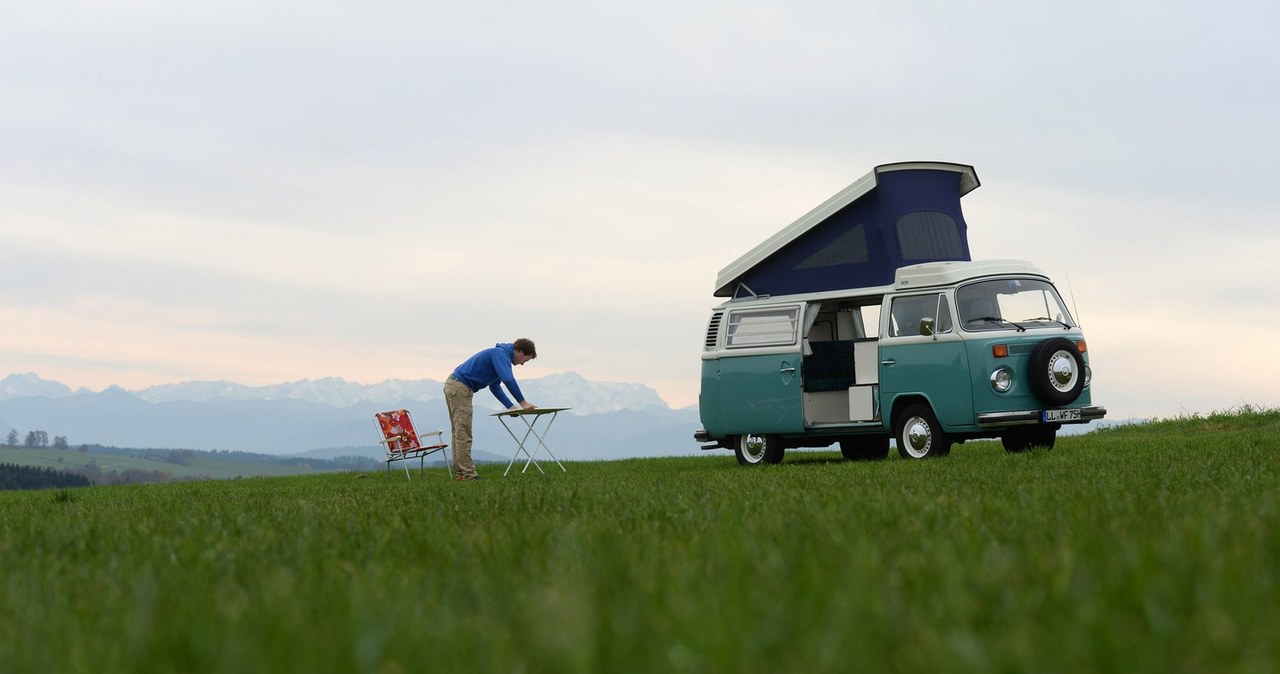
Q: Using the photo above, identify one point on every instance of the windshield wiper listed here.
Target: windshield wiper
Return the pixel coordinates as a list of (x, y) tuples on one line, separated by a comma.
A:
[(1065, 326), (997, 321)]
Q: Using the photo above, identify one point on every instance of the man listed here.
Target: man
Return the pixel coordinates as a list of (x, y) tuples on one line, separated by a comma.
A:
[(490, 368)]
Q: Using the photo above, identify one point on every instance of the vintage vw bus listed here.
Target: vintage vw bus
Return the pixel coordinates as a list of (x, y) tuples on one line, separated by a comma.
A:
[(865, 320)]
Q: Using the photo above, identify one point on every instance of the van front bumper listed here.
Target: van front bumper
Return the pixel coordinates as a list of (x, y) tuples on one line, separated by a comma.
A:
[(1032, 417)]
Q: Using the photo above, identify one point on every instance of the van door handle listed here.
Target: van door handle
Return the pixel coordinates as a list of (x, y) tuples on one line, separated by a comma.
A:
[(789, 370), (888, 362)]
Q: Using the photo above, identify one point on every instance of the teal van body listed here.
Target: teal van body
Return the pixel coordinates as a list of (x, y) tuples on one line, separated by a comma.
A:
[(946, 351)]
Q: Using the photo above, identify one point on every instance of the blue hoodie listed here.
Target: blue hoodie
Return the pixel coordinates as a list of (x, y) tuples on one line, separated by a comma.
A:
[(489, 368)]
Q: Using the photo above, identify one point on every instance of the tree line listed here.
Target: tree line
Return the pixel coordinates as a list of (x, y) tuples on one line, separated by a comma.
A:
[(29, 477), (36, 439)]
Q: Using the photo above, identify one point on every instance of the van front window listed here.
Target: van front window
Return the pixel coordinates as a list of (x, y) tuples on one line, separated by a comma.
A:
[(1002, 304)]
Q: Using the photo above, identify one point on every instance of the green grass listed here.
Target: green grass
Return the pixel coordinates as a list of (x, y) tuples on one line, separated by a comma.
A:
[(1146, 548)]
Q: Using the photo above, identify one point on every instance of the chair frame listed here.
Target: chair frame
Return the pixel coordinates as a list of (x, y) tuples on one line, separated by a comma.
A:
[(408, 444)]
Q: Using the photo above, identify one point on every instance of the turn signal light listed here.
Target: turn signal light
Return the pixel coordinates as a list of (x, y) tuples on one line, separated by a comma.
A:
[(1002, 350), (1081, 346)]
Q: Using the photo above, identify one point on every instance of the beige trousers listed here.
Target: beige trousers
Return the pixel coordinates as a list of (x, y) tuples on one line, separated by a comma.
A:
[(457, 396)]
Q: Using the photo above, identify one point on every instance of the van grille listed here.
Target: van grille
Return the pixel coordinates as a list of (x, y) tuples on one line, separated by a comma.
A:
[(713, 330), (1021, 348)]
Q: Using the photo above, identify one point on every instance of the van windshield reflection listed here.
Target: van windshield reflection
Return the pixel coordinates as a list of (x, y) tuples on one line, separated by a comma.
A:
[(1002, 304)]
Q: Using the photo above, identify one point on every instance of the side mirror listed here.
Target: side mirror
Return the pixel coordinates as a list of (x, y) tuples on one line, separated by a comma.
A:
[(926, 326)]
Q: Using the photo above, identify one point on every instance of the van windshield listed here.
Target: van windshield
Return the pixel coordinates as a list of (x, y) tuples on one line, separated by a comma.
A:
[(1022, 304)]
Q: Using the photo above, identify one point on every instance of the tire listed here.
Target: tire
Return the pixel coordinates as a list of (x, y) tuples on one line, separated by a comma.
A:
[(869, 448), (753, 449), (1057, 371), (1024, 439), (919, 435)]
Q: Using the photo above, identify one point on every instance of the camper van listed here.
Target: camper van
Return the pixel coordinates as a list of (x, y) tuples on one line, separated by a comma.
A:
[(866, 322)]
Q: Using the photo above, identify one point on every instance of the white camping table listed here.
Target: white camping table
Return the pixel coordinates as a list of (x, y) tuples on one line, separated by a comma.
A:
[(530, 419)]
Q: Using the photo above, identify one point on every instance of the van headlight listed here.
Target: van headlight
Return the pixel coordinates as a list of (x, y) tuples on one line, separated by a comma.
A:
[(1088, 376), (1002, 380)]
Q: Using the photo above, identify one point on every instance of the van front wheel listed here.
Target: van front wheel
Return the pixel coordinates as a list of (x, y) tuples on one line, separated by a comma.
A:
[(919, 435), (753, 449)]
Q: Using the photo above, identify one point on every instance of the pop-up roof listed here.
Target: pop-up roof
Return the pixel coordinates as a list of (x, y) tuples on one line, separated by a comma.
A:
[(897, 215)]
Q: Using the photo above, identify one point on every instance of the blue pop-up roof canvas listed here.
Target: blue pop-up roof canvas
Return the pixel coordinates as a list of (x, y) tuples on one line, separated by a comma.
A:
[(897, 215)]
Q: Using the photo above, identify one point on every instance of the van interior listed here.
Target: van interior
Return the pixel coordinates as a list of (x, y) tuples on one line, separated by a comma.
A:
[(840, 366)]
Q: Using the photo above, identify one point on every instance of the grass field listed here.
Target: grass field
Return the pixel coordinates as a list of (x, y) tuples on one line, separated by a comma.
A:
[(1152, 548)]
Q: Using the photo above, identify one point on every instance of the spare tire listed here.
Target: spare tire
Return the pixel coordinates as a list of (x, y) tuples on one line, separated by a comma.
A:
[(1057, 371)]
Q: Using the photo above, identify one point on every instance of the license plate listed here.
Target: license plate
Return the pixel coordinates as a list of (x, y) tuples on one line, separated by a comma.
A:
[(1051, 416)]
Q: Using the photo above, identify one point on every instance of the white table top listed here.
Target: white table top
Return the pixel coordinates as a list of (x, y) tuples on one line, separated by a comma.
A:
[(521, 413)]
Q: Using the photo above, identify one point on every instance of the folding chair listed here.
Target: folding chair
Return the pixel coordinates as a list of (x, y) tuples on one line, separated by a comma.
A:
[(403, 443)]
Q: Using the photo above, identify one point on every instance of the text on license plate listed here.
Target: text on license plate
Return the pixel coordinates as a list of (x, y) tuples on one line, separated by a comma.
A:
[(1050, 416)]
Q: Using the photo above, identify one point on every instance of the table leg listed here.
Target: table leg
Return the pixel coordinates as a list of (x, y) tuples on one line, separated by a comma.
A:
[(531, 423), (530, 431), (519, 445), (542, 444)]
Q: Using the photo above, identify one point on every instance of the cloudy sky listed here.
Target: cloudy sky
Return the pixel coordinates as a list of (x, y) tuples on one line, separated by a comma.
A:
[(270, 191)]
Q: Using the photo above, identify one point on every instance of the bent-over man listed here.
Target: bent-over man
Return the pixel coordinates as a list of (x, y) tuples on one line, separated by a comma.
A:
[(490, 369)]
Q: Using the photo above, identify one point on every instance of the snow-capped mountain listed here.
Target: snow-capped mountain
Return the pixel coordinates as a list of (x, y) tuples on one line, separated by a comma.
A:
[(30, 384), (567, 389), (331, 391)]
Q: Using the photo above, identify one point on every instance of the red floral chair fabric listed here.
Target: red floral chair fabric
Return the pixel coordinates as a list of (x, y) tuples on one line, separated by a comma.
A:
[(403, 442)]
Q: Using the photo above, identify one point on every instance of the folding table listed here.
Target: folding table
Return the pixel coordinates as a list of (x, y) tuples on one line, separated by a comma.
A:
[(530, 419)]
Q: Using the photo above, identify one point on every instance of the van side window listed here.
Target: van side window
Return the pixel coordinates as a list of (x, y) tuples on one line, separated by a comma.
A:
[(775, 326), (919, 315), (944, 315)]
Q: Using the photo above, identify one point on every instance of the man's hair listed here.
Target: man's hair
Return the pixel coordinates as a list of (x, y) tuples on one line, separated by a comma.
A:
[(526, 347)]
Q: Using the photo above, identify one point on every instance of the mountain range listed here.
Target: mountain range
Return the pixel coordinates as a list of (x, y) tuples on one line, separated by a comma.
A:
[(331, 416)]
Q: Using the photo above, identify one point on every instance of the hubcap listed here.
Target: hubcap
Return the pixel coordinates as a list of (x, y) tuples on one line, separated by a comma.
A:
[(1062, 371), (753, 447), (917, 436)]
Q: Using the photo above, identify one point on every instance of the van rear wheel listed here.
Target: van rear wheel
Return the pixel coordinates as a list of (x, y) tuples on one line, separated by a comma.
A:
[(919, 435), (870, 448), (753, 449)]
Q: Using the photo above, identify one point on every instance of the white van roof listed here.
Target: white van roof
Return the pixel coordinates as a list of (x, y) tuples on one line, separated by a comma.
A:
[(947, 273)]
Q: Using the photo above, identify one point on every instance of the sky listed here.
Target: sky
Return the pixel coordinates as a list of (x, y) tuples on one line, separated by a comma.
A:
[(271, 191)]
